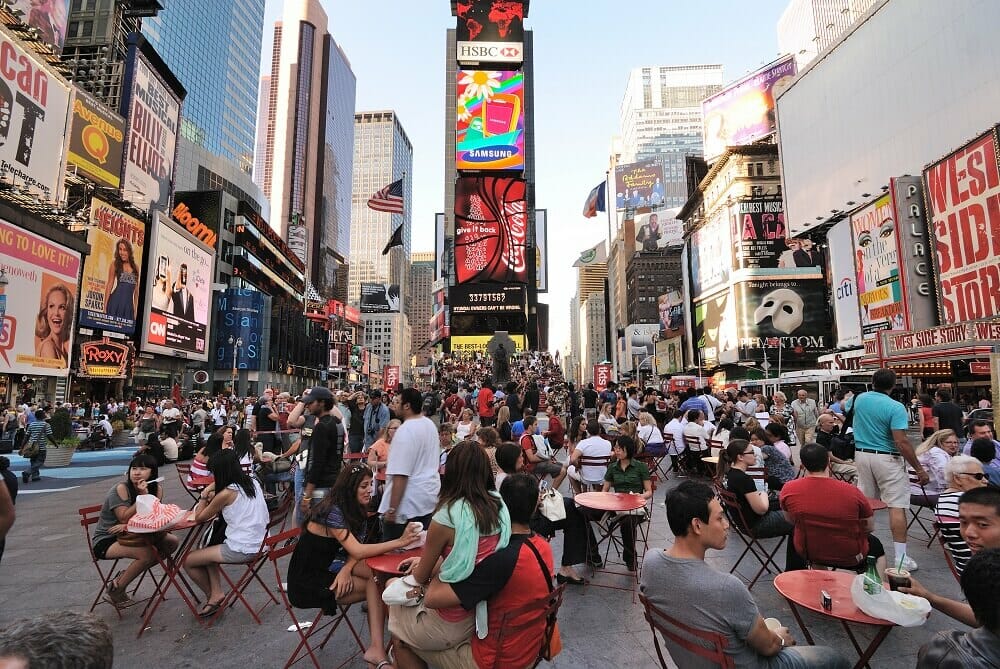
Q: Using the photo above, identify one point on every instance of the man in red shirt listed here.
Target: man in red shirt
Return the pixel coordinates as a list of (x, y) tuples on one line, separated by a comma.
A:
[(484, 405), (556, 434), (454, 404), (835, 504)]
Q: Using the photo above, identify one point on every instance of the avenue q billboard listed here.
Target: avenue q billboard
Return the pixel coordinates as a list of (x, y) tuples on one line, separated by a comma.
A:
[(963, 204)]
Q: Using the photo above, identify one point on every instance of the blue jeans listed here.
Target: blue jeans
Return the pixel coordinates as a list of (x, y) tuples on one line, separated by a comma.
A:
[(299, 483), (35, 464), (808, 657)]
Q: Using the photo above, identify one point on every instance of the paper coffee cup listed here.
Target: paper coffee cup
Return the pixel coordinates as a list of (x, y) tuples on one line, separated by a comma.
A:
[(772, 623)]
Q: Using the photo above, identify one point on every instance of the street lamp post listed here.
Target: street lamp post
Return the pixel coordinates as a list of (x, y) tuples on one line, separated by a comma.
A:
[(237, 344)]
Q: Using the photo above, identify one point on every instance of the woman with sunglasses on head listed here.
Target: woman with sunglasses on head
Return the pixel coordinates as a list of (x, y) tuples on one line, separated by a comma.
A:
[(240, 500), (964, 473), (934, 453), (119, 506), (378, 454), (328, 566)]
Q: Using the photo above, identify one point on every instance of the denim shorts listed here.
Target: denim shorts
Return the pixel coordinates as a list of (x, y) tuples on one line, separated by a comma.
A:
[(229, 556)]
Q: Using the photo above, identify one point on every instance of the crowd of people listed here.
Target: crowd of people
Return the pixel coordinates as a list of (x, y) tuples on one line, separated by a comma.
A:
[(461, 465)]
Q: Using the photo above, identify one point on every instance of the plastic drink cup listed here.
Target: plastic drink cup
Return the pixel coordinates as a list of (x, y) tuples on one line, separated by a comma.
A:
[(772, 623), (897, 578)]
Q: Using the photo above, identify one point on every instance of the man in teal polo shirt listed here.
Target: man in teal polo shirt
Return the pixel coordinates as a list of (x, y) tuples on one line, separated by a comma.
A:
[(881, 454)]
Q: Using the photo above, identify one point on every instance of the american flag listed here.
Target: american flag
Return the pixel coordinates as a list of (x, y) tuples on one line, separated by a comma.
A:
[(388, 199)]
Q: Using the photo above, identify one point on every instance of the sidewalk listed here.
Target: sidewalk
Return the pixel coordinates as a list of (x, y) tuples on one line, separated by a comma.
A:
[(47, 567)]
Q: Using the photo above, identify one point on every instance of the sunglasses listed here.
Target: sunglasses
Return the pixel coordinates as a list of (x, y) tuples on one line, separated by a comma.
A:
[(747, 453), (979, 476), (360, 468)]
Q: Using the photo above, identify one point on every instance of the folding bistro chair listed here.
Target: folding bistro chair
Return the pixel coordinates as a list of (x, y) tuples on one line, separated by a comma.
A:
[(592, 461), (183, 472), (710, 646), (947, 553), (276, 548), (819, 533), (753, 544), (543, 608), (89, 515), (252, 569), (695, 455), (922, 501)]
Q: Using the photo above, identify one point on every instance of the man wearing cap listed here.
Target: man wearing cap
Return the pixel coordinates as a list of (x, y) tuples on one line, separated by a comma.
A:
[(265, 421), (326, 450), (376, 417)]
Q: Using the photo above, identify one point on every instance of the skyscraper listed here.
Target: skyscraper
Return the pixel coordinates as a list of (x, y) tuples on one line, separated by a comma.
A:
[(807, 27), (420, 303), (382, 154), (308, 142), (661, 119)]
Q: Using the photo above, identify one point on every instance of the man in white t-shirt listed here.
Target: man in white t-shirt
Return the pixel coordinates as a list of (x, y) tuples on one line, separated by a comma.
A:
[(171, 418), (412, 479), (594, 446)]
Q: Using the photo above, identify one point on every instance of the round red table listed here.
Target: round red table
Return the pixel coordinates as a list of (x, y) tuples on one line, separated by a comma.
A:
[(804, 588), (616, 502), (387, 564)]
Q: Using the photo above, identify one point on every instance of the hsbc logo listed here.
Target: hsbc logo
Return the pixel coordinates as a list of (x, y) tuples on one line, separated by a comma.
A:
[(157, 329), (490, 52)]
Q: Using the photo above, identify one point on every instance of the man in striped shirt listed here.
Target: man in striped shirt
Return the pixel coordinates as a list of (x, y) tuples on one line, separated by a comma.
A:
[(38, 433)]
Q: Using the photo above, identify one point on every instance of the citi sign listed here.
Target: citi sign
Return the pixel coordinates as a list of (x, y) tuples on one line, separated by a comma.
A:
[(490, 52), (845, 289)]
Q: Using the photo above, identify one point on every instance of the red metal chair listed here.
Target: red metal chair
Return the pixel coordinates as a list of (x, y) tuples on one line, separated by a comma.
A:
[(947, 553), (252, 568), (922, 501), (280, 546), (753, 543), (543, 608), (710, 646), (89, 515), (819, 533)]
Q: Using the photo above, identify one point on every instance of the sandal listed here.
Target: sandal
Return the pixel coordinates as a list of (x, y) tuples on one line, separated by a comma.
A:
[(209, 609), (380, 665)]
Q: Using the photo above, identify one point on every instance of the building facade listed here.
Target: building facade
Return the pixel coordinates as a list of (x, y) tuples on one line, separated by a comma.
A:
[(307, 142), (387, 337), (382, 154), (593, 335), (661, 119), (420, 301), (807, 27), (647, 276)]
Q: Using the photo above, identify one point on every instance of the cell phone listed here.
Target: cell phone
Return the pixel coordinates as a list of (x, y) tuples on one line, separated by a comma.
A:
[(500, 114), (543, 485), (184, 275), (336, 566), (161, 267)]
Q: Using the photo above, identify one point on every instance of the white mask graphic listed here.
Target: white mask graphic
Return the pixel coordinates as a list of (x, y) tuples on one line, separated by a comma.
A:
[(784, 307)]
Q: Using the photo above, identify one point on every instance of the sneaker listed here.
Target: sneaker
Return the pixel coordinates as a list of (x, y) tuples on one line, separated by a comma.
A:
[(25, 476), (909, 564), (116, 595)]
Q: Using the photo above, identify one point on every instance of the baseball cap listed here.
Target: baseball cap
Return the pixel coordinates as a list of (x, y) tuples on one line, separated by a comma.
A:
[(318, 393), (375, 394)]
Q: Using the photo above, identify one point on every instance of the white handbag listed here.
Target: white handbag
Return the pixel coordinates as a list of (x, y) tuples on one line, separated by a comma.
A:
[(552, 506), (403, 591), (542, 447)]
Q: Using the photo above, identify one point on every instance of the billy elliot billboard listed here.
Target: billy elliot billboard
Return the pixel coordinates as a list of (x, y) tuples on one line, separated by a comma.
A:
[(491, 229), (489, 120), (963, 198), (490, 31), (639, 185)]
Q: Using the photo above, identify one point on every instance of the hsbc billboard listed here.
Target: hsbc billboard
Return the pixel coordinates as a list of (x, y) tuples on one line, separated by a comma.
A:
[(490, 31)]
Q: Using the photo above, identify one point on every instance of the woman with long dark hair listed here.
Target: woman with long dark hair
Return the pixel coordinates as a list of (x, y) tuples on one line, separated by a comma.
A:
[(626, 474), (199, 464), (120, 292), (119, 506), (328, 565), (240, 501), (470, 523)]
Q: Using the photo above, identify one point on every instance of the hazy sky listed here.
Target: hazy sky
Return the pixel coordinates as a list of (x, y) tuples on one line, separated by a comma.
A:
[(582, 59)]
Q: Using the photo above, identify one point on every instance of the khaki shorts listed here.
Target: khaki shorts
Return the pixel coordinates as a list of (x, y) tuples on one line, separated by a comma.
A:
[(459, 657), (883, 477), (424, 630)]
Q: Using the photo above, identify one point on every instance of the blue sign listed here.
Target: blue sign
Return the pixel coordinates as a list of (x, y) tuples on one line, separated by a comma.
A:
[(239, 319)]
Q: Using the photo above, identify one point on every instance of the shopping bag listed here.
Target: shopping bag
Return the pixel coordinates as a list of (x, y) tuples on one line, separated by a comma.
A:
[(896, 607)]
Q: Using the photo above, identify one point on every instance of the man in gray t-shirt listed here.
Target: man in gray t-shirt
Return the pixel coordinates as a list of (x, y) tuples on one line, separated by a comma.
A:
[(678, 582)]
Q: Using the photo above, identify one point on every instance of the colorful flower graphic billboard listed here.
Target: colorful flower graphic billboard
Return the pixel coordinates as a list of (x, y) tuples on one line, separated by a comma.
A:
[(489, 120)]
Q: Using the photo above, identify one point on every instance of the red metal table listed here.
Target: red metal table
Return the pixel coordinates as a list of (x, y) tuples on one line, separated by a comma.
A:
[(171, 566), (803, 588), (611, 503), (387, 564)]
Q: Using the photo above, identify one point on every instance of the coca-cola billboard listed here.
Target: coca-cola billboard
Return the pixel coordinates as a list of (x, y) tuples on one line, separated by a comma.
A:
[(491, 230)]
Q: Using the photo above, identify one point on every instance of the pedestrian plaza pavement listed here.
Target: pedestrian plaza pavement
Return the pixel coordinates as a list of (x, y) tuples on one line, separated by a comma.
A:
[(47, 567)]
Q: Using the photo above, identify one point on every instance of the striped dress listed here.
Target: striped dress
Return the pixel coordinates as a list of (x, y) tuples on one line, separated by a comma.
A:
[(947, 516)]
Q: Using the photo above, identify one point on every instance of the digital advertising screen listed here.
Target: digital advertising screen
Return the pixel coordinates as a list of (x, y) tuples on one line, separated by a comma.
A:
[(240, 316), (178, 292), (639, 185), (790, 312), (491, 229), (490, 31), (482, 298), (380, 298), (489, 120), (37, 304), (110, 283)]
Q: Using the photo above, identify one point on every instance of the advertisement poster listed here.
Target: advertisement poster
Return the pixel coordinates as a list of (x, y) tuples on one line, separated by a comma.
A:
[(602, 377), (790, 312), (669, 357), (36, 332), (477, 343), (490, 31), (482, 299), (179, 293), (47, 16), (380, 298), (541, 251), (96, 142), (639, 185), (760, 233), (843, 283), (744, 112), (489, 120), (491, 230), (110, 285), (639, 340), (671, 309), (240, 316), (876, 268), (153, 114), (962, 192), (104, 359), (390, 378), (34, 121), (656, 231), (711, 256), (714, 328)]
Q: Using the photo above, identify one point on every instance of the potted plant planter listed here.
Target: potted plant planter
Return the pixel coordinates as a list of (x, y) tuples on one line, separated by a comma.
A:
[(61, 455)]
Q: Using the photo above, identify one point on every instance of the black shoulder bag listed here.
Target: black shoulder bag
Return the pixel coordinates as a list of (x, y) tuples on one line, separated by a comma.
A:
[(552, 642)]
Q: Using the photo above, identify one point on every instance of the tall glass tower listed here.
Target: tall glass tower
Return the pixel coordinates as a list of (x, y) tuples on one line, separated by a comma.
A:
[(214, 49)]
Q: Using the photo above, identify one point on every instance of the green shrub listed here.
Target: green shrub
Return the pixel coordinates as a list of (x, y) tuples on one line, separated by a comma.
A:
[(62, 424)]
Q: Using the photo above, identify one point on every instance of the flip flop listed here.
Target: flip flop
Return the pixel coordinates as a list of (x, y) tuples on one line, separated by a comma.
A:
[(382, 663), (209, 610)]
